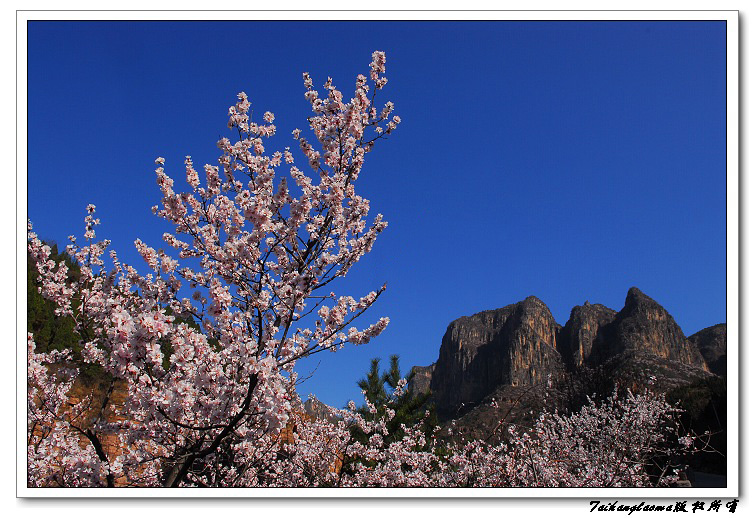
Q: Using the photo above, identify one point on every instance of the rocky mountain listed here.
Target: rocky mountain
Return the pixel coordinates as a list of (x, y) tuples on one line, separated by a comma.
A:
[(421, 378), (314, 408), (644, 326), (514, 345), (521, 345), (585, 329), (711, 342)]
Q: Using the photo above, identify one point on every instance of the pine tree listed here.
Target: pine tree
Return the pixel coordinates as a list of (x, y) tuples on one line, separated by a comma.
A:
[(409, 408), (51, 332)]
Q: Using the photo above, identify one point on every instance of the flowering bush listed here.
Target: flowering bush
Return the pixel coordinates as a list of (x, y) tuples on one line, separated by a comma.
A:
[(619, 442), (211, 377)]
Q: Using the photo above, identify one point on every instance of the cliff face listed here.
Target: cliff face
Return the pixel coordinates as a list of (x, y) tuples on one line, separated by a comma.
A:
[(522, 345), (711, 342), (314, 408), (644, 326), (585, 330), (514, 345), (420, 379)]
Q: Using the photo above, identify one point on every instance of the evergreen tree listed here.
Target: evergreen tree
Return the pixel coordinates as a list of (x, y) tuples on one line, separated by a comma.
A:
[(51, 332), (374, 387), (380, 391)]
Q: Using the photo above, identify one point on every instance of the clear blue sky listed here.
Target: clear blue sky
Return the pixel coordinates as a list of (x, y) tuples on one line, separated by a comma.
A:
[(566, 160)]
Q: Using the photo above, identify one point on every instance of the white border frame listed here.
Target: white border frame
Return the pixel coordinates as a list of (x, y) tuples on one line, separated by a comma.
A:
[(734, 466)]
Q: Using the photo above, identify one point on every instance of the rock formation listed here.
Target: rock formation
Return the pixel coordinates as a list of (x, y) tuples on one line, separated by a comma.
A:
[(711, 342), (522, 345), (420, 379), (514, 345), (645, 327), (584, 330), (314, 408)]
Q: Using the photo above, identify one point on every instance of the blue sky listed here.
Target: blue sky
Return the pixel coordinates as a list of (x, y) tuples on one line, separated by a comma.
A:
[(566, 160)]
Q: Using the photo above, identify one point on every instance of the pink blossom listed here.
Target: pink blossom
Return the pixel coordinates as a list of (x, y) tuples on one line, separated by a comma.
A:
[(239, 247)]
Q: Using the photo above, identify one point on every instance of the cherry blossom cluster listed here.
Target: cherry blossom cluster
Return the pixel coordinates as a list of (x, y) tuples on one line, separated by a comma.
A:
[(207, 342), (55, 453), (618, 442), (625, 441)]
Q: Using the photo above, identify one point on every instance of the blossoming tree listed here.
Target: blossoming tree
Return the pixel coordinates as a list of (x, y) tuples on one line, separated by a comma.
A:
[(261, 257), (623, 441)]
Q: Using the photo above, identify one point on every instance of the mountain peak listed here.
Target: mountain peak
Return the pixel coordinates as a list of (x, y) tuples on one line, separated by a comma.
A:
[(522, 345), (635, 297)]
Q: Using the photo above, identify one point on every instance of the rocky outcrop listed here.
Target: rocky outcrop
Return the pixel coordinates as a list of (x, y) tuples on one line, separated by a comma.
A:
[(522, 345), (514, 345), (643, 326), (314, 408), (711, 342), (585, 330), (420, 378), (595, 333)]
